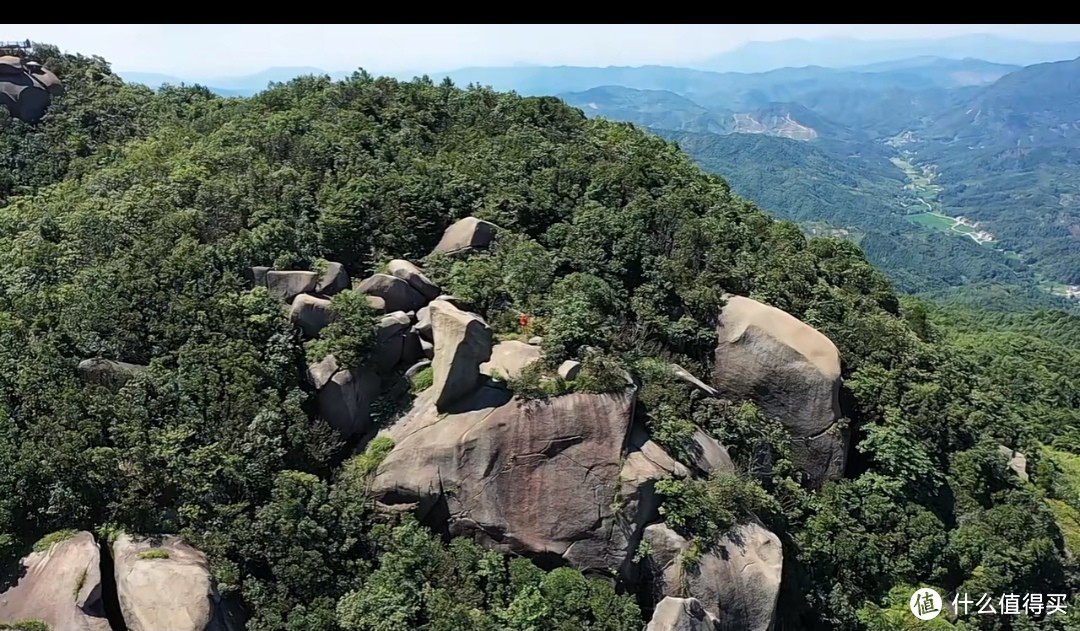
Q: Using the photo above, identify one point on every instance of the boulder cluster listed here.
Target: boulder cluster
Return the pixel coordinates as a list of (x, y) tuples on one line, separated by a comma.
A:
[(410, 305), (570, 479), (160, 583), (26, 88)]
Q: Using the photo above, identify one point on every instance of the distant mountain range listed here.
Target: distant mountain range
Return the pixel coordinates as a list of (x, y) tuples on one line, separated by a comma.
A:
[(943, 185), (753, 57), (954, 163), (844, 52)]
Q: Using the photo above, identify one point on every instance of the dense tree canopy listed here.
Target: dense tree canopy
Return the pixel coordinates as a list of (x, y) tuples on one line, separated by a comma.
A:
[(131, 217)]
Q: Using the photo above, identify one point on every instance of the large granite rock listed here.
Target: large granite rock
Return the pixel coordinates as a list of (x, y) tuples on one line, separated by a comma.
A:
[(738, 580), (527, 477), (286, 285), (344, 396), (466, 236), (397, 295), (681, 614), (792, 372), (311, 314), (60, 586), (423, 323), (257, 275), (390, 333), (26, 89), (644, 464), (462, 343), (107, 372), (165, 585), (334, 280), (1017, 462), (707, 455), (406, 271), (510, 358)]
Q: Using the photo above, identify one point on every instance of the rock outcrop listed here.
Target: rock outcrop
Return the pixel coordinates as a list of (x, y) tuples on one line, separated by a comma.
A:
[(462, 343), (1017, 462), (737, 580), (310, 313), (108, 372), (792, 372), (286, 285), (466, 236), (527, 477), (510, 358), (166, 585), (569, 369), (390, 333), (397, 295), (26, 88), (334, 280), (344, 396), (644, 464), (681, 614), (414, 276), (60, 586)]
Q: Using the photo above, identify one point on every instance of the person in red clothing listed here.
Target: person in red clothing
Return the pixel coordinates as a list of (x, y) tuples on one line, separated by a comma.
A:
[(523, 320)]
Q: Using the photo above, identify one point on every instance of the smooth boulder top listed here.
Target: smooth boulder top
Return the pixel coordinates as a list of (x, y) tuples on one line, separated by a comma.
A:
[(165, 584), (462, 343), (742, 313), (510, 358), (791, 372), (406, 271), (60, 586), (466, 236)]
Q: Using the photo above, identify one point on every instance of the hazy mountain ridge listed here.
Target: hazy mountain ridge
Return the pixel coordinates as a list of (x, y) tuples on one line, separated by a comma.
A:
[(902, 102)]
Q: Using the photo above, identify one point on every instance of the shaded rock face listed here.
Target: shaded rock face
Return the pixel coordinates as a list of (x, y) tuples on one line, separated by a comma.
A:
[(286, 285), (311, 314), (396, 294), (107, 372), (414, 276), (707, 455), (60, 586), (466, 236), (26, 89), (173, 593), (738, 581), (462, 342), (792, 372), (344, 396), (510, 358), (644, 465), (526, 477), (681, 614), (333, 281), (390, 337)]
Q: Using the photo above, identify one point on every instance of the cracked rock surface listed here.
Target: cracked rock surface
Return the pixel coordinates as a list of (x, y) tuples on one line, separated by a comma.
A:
[(528, 477)]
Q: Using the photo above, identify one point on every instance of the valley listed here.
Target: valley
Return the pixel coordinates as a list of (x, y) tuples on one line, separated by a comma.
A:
[(893, 176)]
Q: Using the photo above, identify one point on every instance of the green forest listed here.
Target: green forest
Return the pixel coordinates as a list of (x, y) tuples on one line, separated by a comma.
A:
[(129, 221)]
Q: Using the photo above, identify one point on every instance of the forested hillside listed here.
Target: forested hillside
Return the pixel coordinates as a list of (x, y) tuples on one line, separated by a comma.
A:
[(130, 227), (945, 139)]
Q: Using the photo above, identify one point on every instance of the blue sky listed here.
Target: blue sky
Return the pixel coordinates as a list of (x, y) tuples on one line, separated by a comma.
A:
[(216, 50)]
